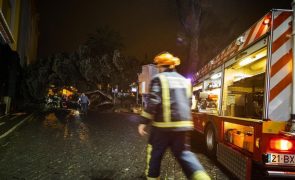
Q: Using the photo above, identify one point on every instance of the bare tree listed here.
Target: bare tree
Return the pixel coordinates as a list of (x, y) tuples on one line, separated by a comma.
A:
[(189, 12)]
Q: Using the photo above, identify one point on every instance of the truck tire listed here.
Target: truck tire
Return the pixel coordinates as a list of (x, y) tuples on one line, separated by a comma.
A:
[(210, 141)]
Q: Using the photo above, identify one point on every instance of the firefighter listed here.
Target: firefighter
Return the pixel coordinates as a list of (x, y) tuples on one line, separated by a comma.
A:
[(168, 111)]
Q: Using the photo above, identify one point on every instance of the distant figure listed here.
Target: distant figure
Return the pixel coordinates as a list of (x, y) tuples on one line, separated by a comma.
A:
[(168, 111), (84, 102)]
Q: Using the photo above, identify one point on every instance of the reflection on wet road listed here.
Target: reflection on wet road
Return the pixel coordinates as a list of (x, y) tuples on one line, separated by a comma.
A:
[(72, 126), (64, 144)]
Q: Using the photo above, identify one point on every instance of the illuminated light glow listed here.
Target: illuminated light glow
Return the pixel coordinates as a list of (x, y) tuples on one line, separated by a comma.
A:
[(251, 59), (168, 56), (195, 88), (257, 143), (266, 21), (76, 112), (216, 76), (240, 76), (281, 144), (133, 89), (246, 61), (64, 91)]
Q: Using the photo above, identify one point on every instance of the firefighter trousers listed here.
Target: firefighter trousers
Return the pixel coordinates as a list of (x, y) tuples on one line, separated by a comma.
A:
[(159, 141)]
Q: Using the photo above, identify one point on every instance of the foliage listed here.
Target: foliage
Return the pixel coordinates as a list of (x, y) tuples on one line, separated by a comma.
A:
[(104, 41), (97, 64)]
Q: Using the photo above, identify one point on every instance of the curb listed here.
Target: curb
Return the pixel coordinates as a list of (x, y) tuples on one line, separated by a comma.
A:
[(4, 116), (6, 134)]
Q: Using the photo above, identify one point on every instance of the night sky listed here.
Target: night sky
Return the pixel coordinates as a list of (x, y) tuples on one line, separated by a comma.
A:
[(147, 26)]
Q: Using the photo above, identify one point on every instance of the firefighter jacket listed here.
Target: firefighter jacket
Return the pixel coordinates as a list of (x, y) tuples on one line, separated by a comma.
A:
[(167, 106)]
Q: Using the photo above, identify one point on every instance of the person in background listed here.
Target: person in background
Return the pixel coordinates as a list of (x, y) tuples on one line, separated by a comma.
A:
[(84, 102), (168, 111)]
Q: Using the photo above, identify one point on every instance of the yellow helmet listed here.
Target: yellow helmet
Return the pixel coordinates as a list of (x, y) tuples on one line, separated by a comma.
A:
[(166, 59)]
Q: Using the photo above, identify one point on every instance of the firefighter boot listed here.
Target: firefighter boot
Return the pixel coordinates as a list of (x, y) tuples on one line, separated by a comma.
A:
[(200, 175)]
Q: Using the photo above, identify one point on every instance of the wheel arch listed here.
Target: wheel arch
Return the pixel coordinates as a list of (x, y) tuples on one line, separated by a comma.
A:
[(211, 137), (210, 122)]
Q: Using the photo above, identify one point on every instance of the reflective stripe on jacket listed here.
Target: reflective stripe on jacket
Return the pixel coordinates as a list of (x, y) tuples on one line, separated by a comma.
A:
[(168, 103)]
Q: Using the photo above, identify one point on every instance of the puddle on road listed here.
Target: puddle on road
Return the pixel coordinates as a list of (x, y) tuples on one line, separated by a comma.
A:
[(51, 121), (70, 125), (83, 132), (76, 129)]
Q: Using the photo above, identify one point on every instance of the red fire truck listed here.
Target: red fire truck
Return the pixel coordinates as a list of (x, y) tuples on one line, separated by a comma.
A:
[(244, 103)]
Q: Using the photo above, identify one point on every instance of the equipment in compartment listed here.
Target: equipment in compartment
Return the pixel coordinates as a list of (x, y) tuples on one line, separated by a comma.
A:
[(239, 135), (248, 141), (238, 139)]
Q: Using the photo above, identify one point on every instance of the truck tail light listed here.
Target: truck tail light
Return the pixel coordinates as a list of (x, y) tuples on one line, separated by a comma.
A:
[(281, 144)]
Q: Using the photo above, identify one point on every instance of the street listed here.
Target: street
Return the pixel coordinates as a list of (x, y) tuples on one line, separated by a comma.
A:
[(66, 145)]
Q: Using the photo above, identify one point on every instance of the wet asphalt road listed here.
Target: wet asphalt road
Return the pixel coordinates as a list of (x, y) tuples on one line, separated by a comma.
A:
[(64, 145)]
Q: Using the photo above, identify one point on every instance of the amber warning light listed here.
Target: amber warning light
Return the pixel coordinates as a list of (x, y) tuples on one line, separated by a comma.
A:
[(266, 21), (280, 144)]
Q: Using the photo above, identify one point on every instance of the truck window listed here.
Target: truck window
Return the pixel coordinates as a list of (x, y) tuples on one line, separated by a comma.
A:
[(208, 98), (196, 96), (243, 89)]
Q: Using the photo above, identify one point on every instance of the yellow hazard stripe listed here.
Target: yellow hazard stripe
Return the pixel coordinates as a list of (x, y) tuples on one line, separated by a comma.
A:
[(148, 158), (189, 90), (202, 175), (146, 115), (273, 126), (165, 98), (173, 124)]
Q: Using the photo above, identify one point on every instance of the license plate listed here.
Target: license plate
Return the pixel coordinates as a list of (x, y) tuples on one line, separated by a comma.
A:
[(281, 159)]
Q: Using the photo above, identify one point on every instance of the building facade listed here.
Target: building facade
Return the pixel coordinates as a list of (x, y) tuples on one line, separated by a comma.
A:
[(18, 46)]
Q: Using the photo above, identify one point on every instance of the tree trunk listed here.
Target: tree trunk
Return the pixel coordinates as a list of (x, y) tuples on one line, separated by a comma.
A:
[(190, 18)]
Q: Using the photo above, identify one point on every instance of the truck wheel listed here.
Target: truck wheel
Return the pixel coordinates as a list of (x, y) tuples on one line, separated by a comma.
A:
[(210, 141)]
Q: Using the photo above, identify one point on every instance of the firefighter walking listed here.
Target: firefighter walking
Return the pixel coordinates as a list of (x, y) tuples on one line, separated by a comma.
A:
[(168, 111)]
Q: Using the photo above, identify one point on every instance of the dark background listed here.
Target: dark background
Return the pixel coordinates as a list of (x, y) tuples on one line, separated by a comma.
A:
[(147, 26)]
